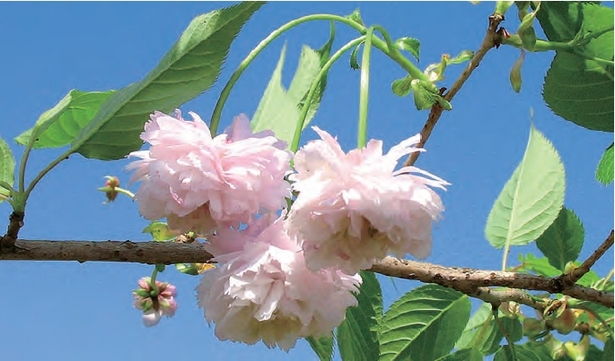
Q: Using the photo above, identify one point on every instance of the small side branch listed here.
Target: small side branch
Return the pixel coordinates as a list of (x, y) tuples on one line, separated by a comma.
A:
[(7, 242), (575, 275), (491, 40)]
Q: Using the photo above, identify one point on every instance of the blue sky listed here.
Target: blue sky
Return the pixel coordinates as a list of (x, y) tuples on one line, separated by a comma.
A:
[(72, 311)]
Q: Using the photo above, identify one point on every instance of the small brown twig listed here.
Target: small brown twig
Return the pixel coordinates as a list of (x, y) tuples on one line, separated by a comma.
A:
[(577, 273), (491, 40), (7, 242)]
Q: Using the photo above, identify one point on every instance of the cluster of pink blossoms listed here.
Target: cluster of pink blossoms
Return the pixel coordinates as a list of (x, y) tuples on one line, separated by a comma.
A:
[(284, 277)]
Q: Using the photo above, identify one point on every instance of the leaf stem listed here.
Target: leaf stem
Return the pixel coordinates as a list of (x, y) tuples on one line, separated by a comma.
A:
[(541, 45), (364, 89), (325, 68), (43, 172), (389, 50), (215, 117)]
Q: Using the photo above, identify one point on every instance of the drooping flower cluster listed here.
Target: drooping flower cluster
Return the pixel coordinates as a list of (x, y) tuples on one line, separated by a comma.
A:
[(264, 291), (155, 301), (281, 278), (353, 209), (198, 182)]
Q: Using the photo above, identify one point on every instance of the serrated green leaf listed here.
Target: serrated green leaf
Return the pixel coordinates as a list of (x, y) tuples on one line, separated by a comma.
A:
[(578, 89), (423, 324), (402, 87), (60, 125), (7, 167), (411, 45), (483, 333), (189, 68), (468, 354), (323, 347), (279, 109), (357, 336), (563, 240), (604, 172), (532, 197)]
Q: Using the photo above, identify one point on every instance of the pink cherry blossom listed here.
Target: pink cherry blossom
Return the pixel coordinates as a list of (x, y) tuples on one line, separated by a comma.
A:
[(155, 301), (197, 181), (263, 291), (353, 209)]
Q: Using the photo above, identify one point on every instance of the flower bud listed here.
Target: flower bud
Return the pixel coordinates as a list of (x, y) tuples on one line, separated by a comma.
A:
[(110, 188), (502, 6), (533, 328), (565, 322), (154, 300), (515, 72)]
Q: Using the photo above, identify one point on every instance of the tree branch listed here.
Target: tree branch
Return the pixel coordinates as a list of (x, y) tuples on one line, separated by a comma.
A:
[(575, 275), (7, 242), (491, 40), (472, 282)]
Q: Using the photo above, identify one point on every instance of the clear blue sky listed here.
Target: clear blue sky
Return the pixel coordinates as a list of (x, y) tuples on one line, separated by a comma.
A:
[(72, 311)]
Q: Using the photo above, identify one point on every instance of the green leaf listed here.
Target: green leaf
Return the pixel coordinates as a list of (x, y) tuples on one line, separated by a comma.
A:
[(279, 109), (578, 89), (189, 68), (357, 336), (608, 350), (354, 61), (7, 167), (523, 353), (411, 45), (425, 94), (462, 57), (604, 173), (483, 333), (322, 346), (60, 125), (541, 267), (356, 17), (532, 197), (563, 240), (468, 354), (423, 324), (187, 268), (402, 87), (160, 231)]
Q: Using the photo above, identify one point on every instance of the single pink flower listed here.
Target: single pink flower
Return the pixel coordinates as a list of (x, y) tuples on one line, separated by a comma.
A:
[(353, 209), (155, 301), (264, 292), (197, 181)]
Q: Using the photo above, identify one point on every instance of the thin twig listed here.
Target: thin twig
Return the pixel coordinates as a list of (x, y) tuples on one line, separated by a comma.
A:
[(490, 41), (576, 274), (472, 282), (7, 242)]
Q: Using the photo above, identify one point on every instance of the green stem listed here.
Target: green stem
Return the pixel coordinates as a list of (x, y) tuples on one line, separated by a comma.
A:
[(511, 344), (505, 256), (126, 192), (586, 39), (541, 45), (325, 68), (43, 172), (364, 89), (22, 167), (215, 117), (152, 279), (7, 186)]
